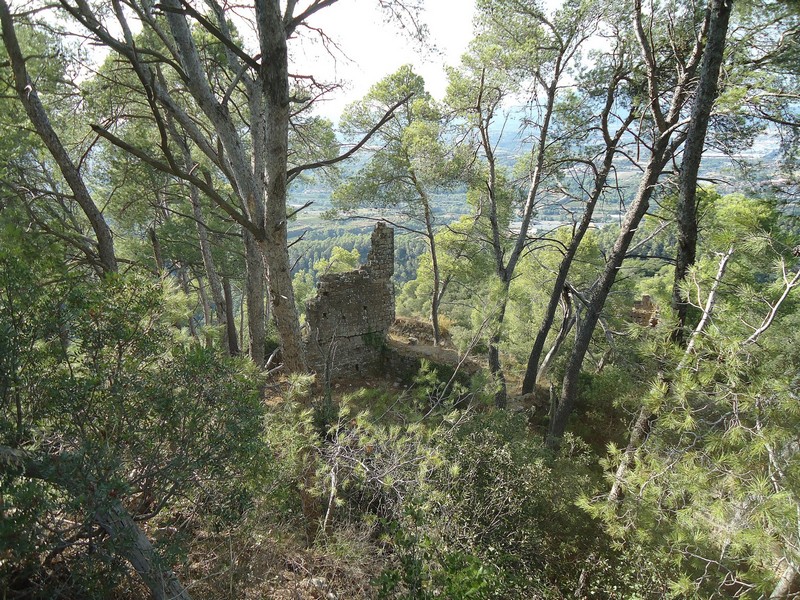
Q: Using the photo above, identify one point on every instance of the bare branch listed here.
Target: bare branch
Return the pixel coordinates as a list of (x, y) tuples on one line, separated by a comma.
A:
[(388, 115), (789, 285), (201, 184)]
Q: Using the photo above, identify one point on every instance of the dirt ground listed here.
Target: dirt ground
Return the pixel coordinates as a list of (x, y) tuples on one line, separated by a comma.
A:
[(415, 337)]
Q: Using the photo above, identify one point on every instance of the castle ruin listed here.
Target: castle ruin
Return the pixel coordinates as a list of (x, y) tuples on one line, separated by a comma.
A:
[(645, 312), (352, 312)]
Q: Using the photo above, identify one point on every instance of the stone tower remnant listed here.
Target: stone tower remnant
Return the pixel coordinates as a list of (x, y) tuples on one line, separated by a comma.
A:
[(351, 314), (645, 312)]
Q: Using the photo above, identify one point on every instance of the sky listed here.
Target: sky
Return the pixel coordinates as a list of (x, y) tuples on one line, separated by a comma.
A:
[(371, 48)]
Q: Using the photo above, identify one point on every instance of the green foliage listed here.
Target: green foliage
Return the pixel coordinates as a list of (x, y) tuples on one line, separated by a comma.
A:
[(30, 181), (98, 378), (424, 570), (414, 159), (437, 388), (340, 261), (468, 265), (316, 245), (105, 385), (467, 505), (501, 496), (713, 485)]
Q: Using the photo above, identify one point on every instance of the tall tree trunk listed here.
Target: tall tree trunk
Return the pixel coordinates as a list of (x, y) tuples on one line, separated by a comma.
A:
[(532, 370), (506, 263), (600, 180), (717, 23), (788, 584), (132, 544), (430, 234), (156, 243), (493, 354), (646, 417), (27, 94), (436, 294), (206, 309), (260, 182), (241, 319), (230, 319), (207, 315), (639, 432), (495, 366), (255, 290), (661, 152), (183, 276), (567, 324), (274, 77), (597, 298), (719, 17), (284, 311), (217, 292)]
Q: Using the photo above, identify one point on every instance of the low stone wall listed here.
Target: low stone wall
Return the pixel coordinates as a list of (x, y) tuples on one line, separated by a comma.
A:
[(349, 318), (404, 363)]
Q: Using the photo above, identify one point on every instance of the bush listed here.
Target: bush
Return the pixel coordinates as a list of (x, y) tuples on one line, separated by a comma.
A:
[(503, 498), (117, 407)]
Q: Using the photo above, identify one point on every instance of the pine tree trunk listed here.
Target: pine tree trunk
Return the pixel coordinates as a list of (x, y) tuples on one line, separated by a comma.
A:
[(275, 80), (27, 94), (639, 431), (217, 293), (495, 366), (206, 309), (532, 369), (157, 256), (597, 299), (430, 234), (241, 320), (646, 418), (437, 283), (255, 292), (184, 279), (788, 584), (505, 268), (566, 325), (230, 320), (720, 11), (129, 541), (260, 178)]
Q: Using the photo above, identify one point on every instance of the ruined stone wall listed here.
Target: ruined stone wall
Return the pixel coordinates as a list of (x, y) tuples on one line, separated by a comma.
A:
[(645, 312), (349, 318)]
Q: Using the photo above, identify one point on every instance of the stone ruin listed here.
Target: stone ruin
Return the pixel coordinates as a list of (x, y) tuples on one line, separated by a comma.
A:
[(645, 312), (352, 312)]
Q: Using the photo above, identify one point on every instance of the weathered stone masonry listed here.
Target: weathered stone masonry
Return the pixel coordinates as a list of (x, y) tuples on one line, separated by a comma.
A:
[(349, 318)]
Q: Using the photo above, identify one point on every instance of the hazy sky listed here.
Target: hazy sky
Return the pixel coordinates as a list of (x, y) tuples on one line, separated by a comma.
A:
[(377, 48)]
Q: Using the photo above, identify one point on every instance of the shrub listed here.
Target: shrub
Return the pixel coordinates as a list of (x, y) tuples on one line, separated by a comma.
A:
[(116, 407)]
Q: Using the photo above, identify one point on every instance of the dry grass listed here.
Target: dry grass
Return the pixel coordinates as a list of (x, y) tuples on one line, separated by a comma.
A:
[(252, 565)]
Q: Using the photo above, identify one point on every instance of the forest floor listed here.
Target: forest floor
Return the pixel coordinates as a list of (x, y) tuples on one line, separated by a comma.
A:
[(277, 562)]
